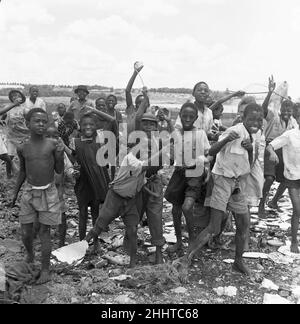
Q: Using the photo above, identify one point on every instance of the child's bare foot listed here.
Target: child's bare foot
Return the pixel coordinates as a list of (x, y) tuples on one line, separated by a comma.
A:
[(177, 248), (132, 262), (295, 248), (262, 213), (96, 248), (44, 277), (273, 205), (239, 266)]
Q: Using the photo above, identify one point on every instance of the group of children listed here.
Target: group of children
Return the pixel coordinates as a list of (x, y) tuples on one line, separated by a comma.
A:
[(216, 167)]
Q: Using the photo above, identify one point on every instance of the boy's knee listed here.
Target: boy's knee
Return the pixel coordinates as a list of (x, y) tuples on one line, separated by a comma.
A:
[(188, 205)]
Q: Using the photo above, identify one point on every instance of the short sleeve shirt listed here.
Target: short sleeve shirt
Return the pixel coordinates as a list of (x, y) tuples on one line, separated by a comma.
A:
[(39, 103), (233, 160), (290, 144)]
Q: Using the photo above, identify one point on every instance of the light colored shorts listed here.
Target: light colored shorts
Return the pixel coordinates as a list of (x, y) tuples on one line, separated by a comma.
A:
[(228, 194), (40, 205), (3, 147)]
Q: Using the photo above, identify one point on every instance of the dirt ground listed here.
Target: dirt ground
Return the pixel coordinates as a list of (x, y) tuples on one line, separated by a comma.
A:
[(91, 283)]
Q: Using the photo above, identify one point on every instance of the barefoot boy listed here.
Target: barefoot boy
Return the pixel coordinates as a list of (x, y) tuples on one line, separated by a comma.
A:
[(183, 190), (39, 158), (290, 143), (230, 175)]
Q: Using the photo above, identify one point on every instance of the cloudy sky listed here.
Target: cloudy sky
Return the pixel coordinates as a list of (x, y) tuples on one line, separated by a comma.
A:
[(228, 43)]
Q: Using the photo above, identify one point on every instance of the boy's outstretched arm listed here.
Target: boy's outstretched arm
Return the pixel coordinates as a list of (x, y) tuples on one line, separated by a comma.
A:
[(21, 177), (216, 148), (273, 155), (7, 108), (222, 100), (102, 115), (59, 156), (129, 101), (265, 105), (142, 109)]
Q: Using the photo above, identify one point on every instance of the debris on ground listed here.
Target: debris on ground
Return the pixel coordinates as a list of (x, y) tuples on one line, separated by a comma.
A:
[(226, 291), (275, 300)]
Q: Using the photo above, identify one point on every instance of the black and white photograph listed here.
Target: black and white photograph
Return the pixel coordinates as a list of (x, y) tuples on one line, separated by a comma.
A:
[(149, 155)]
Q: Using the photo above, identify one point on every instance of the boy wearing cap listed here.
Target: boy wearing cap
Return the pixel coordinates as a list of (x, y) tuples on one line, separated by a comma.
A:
[(17, 131), (290, 144), (81, 105)]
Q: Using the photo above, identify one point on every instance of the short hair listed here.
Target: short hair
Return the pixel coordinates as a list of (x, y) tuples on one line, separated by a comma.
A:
[(33, 86), (90, 115), (101, 98), (33, 111), (138, 98), (61, 104), (286, 103), (201, 82), (252, 107), (112, 96), (69, 114), (296, 108), (189, 105)]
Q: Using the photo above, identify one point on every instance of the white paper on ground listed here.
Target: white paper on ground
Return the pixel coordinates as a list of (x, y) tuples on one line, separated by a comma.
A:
[(268, 284), (275, 300), (255, 255), (73, 253)]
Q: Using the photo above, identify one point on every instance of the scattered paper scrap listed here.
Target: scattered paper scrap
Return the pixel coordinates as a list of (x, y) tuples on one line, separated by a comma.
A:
[(72, 254), (117, 259), (226, 291), (275, 300), (268, 284), (255, 255)]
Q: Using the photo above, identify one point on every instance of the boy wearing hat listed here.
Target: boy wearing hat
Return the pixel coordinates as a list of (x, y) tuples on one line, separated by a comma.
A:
[(81, 105)]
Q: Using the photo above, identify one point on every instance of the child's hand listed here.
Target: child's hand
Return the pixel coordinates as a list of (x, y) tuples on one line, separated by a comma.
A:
[(138, 66), (60, 146), (18, 101), (247, 145), (240, 94), (272, 84), (274, 157), (232, 136)]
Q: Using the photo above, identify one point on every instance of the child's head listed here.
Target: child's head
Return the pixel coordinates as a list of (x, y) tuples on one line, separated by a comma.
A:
[(188, 115), (139, 99), (61, 109), (149, 123), (218, 112), (243, 103), (111, 101), (69, 118), (252, 118), (296, 112), (286, 110), (101, 104), (52, 132), (201, 92), (34, 92), (37, 120), (88, 125)]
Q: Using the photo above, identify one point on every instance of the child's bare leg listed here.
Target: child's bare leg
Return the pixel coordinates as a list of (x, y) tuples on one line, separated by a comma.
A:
[(62, 230), (242, 229), (212, 230), (132, 244), (267, 186), (177, 213), (216, 242), (36, 229), (295, 197), (46, 253), (8, 162), (27, 238), (187, 210), (83, 218), (279, 193), (95, 213)]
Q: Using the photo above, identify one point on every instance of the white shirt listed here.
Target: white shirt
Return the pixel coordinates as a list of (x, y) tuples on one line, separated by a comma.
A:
[(205, 121), (39, 103), (233, 160), (290, 144)]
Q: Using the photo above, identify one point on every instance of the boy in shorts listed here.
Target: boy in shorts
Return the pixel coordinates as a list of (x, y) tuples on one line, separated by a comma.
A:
[(230, 173), (183, 190), (290, 144), (40, 158)]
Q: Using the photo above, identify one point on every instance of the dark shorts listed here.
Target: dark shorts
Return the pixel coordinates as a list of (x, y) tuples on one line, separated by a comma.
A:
[(180, 187), (292, 184), (271, 169), (115, 206)]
